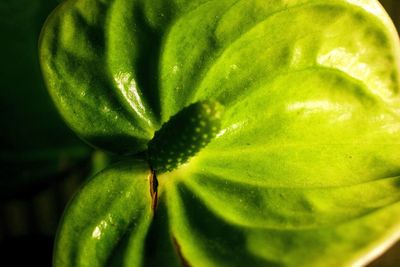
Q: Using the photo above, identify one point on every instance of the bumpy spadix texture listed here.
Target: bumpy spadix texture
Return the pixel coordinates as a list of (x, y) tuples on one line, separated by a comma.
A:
[(184, 135), (305, 169)]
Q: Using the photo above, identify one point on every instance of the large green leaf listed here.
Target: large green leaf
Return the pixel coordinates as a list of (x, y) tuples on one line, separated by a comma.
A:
[(34, 142), (306, 169)]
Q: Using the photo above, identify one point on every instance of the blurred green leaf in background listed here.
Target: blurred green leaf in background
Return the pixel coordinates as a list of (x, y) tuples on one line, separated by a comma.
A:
[(35, 144), (41, 161)]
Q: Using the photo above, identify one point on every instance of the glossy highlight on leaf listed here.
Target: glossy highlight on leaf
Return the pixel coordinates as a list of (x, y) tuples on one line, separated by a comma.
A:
[(305, 162)]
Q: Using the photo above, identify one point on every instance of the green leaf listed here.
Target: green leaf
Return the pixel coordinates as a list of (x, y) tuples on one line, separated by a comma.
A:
[(234, 225), (305, 170), (109, 217), (35, 143)]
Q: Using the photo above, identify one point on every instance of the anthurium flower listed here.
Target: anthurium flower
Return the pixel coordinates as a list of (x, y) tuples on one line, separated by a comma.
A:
[(257, 133)]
